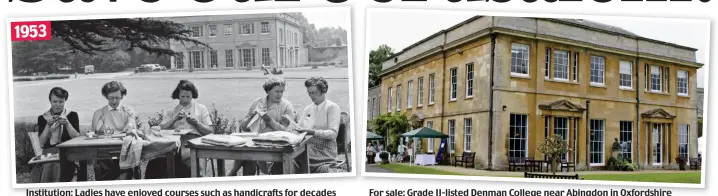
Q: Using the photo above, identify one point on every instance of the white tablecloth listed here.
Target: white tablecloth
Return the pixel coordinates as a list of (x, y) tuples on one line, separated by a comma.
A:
[(425, 159)]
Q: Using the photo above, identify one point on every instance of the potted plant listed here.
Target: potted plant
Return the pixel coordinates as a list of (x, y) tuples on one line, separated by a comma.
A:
[(554, 147), (384, 157), (681, 162)]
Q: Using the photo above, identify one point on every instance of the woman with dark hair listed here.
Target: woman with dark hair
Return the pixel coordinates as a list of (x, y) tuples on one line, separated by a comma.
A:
[(188, 114), (321, 120), (113, 118), (54, 127), (274, 110)]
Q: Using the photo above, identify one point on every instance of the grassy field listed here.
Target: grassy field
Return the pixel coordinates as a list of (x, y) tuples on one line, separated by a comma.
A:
[(673, 177), (148, 93)]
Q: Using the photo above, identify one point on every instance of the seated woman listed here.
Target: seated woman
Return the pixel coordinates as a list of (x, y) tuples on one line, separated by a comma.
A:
[(321, 120), (188, 114), (276, 108), (56, 126), (117, 118)]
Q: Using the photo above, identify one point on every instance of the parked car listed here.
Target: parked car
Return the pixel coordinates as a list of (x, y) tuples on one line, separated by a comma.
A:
[(143, 68), (158, 67)]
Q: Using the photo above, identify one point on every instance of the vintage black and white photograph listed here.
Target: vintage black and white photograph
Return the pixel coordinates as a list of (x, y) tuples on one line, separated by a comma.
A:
[(184, 96)]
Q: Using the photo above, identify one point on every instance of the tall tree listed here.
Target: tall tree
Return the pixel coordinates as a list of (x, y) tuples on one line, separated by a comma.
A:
[(93, 36), (376, 58)]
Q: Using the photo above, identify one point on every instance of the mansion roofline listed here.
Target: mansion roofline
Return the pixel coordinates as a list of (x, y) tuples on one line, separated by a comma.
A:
[(583, 33)]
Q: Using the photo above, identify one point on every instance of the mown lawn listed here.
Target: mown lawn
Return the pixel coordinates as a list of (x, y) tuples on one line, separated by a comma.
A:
[(689, 177), (396, 168), (672, 177)]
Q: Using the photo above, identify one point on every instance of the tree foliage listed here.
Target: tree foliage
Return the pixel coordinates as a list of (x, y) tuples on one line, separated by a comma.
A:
[(376, 58), (109, 44), (150, 35), (391, 126), (554, 147)]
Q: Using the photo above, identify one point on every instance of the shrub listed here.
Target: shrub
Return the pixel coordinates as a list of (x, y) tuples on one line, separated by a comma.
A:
[(56, 77), (384, 156), (23, 147), (155, 121)]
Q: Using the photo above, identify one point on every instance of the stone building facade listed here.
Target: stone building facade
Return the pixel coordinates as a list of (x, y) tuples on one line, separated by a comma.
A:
[(498, 86), (241, 42), (374, 98)]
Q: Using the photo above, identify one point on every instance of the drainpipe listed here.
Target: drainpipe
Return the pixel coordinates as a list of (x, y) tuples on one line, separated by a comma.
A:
[(638, 114), (588, 135), (443, 90), (491, 100)]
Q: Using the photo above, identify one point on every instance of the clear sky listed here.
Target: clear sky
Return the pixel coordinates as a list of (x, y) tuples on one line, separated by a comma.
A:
[(401, 29)]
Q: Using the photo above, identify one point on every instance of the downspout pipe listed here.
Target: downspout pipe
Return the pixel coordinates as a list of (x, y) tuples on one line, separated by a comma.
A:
[(588, 134), (443, 91), (638, 113), (491, 101)]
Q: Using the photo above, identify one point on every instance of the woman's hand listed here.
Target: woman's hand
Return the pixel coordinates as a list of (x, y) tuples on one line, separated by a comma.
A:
[(308, 131), (180, 115), (192, 121), (63, 121), (266, 118), (51, 121)]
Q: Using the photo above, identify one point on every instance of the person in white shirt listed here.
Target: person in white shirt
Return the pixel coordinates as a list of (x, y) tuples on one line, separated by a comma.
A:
[(113, 118), (321, 121)]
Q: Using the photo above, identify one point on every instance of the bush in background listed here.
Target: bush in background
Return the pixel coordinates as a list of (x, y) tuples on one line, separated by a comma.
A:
[(23, 147)]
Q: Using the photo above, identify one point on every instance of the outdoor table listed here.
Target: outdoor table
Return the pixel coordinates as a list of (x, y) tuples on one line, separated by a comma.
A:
[(198, 150), (82, 150), (425, 159)]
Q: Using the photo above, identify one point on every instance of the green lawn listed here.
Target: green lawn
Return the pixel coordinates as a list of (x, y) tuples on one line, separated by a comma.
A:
[(691, 177), (688, 177), (396, 168)]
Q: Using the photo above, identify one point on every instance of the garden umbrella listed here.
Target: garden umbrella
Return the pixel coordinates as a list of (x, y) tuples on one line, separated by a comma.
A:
[(373, 136), (423, 132)]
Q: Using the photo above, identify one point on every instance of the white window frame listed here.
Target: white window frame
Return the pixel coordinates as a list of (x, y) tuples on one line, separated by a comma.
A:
[(432, 88), (575, 67), (467, 134), (229, 58), (246, 26), (213, 60), (656, 145), (626, 128), (520, 54), (196, 33), (196, 60), (566, 134), (228, 28), (454, 84), (430, 143), (420, 93), (264, 26), (452, 135), (598, 64), (398, 97), (682, 86), (547, 64), (248, 56), (266, 59), (684, 133), (216, 30), (560, 65), (469, 80), (625, 66), (602, 142), (389, 100), (520, 122), (409, 94), (656, 82)]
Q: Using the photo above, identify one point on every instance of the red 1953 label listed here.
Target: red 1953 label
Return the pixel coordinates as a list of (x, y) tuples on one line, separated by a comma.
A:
[(30, 31)]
